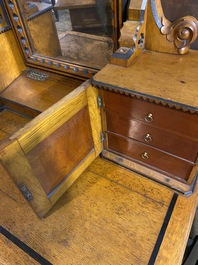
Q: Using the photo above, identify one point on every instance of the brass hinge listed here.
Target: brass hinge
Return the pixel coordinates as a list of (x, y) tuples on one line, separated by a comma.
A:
[(99, 100), (27, 194), (102, 137)]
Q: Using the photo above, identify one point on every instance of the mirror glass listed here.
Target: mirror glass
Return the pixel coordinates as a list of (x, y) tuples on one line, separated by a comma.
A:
[(79, 32), (4, 23)]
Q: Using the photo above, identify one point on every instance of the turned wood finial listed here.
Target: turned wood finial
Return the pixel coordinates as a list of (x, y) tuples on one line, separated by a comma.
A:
[(182, 32)]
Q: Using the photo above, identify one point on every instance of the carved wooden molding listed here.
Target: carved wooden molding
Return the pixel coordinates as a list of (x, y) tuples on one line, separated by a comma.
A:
[(181, 32), (148, 98)]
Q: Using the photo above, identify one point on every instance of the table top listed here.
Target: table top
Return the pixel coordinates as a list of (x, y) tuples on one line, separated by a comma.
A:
[(110, 215), (166, 77)]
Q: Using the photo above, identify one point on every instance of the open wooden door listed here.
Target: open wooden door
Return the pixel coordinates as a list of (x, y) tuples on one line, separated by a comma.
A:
[(46, 156)]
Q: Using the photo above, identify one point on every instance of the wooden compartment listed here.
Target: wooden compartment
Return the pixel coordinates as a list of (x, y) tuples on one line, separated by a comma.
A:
[(177, 121), (166, 140), (49, 130)]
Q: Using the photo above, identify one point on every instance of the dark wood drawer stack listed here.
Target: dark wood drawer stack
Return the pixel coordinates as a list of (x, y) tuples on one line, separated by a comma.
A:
[(159, 137)]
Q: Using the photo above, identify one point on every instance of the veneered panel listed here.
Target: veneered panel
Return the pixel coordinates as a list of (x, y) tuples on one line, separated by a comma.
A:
[(57, 155)]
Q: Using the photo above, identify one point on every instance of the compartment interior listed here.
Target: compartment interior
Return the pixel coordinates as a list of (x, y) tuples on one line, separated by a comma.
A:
[(25, 98)]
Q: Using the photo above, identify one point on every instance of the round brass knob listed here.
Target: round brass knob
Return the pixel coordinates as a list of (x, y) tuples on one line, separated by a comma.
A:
[(149, 117), (148, 137), (145, 155)]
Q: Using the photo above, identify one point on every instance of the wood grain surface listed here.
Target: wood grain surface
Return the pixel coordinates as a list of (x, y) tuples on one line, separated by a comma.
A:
[(109, 216), (164, 76)]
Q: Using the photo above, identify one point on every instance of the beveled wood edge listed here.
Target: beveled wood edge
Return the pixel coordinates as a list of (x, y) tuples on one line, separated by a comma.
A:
[(145, 97), (180, 225), (95, 118), (183, 188)]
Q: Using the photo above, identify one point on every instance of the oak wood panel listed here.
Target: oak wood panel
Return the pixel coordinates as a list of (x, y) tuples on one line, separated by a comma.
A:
[(97, 221), (155, 158), (183, 213), (11, 122), (56, 156), (176, 121), (51, 119), (170, 142), (13, 255), (38, 152), (104, 218), (39, 95), (43, 32), (14, 161), (12, 62), (162, 76)]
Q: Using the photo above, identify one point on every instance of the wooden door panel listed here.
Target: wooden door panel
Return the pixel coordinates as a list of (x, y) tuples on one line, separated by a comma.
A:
[(56, 156), (50, 152)]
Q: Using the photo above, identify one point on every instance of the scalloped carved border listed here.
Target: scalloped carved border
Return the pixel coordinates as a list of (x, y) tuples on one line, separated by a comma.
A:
[(154, 100)]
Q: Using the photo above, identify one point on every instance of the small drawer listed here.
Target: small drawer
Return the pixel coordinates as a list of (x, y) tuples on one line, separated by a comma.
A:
[(165, 140), (149, 156), (184, 123)]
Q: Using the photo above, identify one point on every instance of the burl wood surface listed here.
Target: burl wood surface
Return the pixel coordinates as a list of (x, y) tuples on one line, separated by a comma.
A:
[(109, 216)]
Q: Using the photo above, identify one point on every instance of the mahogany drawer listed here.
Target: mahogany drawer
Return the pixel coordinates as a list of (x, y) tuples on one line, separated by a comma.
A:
[(149, 156), (150, 113), (165, 140)]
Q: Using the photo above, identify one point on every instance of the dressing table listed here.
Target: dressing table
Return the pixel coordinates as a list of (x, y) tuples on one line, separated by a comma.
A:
[(108, 164)]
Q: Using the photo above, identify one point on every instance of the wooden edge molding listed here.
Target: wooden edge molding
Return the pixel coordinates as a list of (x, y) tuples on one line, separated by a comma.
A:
[(149, 98)]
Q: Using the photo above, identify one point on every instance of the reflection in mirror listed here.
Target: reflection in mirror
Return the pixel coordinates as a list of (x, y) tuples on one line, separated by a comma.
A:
[(79, 32), (4, 23)]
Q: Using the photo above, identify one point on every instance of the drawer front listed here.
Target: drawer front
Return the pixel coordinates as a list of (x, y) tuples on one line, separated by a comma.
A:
[(153, 114), (149, 156), (165, 140)]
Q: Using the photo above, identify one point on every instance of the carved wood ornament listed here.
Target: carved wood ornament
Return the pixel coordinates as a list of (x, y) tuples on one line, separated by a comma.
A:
[(181, 32), (173, 37)]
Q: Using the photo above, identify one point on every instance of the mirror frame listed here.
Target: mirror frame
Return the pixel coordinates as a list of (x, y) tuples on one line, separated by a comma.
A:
[(5, 26), (19, 26)]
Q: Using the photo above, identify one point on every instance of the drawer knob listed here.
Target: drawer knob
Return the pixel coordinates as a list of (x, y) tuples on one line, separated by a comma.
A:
[(145, 155), (148, 138), (149, 117)]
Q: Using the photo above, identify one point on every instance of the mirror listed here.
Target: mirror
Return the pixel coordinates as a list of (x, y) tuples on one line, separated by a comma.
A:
[(75, 37), (4, 22)]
